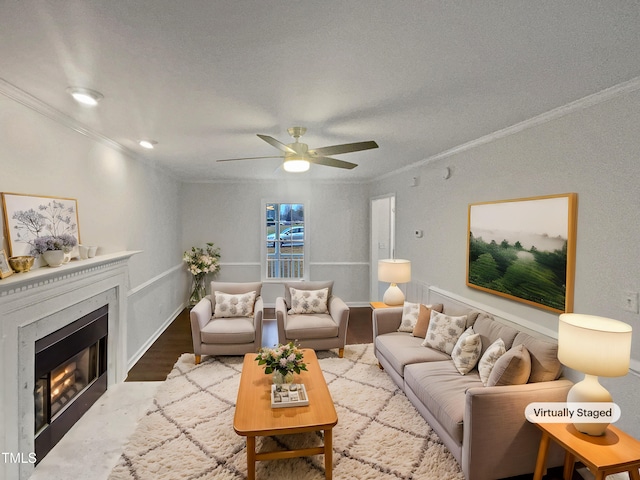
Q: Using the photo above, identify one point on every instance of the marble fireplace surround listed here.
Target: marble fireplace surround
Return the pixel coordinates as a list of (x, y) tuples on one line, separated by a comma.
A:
[(37, 303)]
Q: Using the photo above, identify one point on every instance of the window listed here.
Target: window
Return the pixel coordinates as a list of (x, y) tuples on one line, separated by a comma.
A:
[(285, 240)]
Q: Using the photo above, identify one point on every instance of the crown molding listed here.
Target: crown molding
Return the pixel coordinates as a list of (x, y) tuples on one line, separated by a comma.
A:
[(554, 114), (11, 91), (26, 99)]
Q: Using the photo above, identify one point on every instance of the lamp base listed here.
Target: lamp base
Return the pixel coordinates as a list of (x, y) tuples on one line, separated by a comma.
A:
[(589, 390), (393, 295)]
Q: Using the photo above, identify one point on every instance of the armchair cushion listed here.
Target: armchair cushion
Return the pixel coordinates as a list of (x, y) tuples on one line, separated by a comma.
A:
[(309, 301), (229, 305), (228, 331), (306, 286), (311, 326)]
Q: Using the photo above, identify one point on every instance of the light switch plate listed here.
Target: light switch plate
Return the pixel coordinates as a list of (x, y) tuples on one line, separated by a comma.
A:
[(630, 301)]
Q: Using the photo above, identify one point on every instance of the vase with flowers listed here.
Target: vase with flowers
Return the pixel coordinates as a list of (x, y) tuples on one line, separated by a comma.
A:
[(282, 361), (53, 248), (201, 261)]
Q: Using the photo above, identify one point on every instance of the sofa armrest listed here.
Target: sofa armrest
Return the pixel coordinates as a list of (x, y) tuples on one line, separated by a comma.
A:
[(199, 316), (386, 320), (498, 440)]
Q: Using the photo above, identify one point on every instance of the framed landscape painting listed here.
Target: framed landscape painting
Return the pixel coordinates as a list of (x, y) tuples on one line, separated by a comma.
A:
[(28, 216), (524, 250)]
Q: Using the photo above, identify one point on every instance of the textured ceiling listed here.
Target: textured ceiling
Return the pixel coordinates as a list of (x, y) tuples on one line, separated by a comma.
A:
[(202, 77)]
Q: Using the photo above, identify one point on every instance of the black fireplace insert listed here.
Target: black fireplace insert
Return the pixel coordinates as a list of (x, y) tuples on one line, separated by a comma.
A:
[(70, 375)]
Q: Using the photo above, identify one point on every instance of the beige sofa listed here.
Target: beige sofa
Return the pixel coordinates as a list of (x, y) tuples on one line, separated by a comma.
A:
[(484, 427)]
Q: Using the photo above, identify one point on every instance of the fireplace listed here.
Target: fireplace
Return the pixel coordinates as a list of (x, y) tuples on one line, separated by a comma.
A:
[(70, 375), (42, 302)]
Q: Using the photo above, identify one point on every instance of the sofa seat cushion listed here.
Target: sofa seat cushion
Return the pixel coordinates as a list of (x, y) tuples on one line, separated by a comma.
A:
[(401, 349), (310, 326), (442, 390), (228, 330)]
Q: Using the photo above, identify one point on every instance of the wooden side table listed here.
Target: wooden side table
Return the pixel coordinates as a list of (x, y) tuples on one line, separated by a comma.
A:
[(613, 452), (376, 305)]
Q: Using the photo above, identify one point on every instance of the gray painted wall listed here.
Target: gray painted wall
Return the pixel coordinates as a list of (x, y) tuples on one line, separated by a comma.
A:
[(230, 215), (593, 151), (123, 204)]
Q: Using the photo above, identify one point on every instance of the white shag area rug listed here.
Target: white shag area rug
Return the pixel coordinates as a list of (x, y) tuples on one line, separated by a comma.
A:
[(188, 433)]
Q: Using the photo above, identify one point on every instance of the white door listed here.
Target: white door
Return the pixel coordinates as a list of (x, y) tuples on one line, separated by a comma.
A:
[(383, 226)]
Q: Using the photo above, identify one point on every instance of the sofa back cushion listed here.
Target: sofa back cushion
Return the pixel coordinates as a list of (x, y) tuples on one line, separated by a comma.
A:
[(459, 310), (491, 330), (545, 365)]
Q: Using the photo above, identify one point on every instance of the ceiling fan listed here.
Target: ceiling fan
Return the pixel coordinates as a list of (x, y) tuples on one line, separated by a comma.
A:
[(298, 157)]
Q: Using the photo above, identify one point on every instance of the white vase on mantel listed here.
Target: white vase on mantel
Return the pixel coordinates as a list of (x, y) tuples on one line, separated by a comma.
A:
[(54, 257)]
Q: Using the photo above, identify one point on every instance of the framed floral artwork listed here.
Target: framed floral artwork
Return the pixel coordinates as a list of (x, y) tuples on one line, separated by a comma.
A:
[(28, 217), (524, 250)]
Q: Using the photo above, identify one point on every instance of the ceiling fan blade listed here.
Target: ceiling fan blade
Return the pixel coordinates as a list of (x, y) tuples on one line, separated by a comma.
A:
[(344, 148), (247, 158), (276, 143), (332, 162)]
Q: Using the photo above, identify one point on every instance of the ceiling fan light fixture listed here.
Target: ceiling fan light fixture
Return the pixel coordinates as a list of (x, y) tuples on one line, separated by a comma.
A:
[(296, 165), (85, 96)]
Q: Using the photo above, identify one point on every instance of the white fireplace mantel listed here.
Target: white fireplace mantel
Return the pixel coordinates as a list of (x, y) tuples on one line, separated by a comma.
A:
[(36, 303)]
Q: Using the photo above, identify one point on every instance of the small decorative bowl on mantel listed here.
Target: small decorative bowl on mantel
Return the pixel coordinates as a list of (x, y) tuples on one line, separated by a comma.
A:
[(22, 263)]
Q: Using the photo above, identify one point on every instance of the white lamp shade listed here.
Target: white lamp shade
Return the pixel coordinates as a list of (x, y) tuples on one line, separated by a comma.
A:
[(594, 345), (394, 270)]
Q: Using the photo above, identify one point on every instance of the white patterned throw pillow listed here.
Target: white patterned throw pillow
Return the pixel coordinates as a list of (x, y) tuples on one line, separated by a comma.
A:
[(467, 351), (309, 301), (444, 331), (410, 313), (229, 305), (489, 359)]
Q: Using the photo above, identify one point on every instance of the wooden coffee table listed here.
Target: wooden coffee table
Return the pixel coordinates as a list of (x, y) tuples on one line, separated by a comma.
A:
[(254, 416)]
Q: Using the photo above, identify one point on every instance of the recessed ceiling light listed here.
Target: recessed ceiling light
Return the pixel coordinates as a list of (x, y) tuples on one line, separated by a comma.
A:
[(148, 144), (85, 96)]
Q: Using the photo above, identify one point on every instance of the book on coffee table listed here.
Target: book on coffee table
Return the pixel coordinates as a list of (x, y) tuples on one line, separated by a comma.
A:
[(289, 395)]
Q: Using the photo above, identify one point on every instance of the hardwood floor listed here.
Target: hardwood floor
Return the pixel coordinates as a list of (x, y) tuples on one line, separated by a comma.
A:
[(158, 361)]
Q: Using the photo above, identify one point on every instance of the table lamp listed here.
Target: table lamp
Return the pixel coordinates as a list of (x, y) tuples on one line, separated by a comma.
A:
[(595, 346), (394, 271)]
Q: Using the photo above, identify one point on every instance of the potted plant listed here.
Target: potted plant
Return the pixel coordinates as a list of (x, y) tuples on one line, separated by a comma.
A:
[(201, 261), (282, 361), (52, 248), (68, 242)]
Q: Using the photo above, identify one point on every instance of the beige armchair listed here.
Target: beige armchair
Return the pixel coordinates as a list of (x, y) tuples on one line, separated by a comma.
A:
[(302, 317), (233, 325)]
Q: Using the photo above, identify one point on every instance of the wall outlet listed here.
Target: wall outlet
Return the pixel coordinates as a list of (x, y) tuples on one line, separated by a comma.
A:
[(630, 301)]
